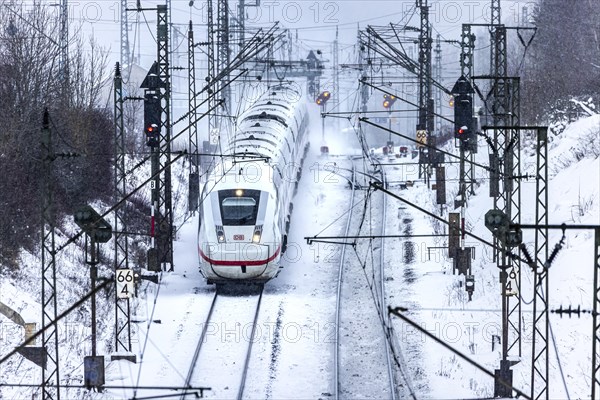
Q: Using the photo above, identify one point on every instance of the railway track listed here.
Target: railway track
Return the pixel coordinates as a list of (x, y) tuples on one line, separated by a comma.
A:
[(386, 324), (224, 349), (336, 353), (362, 344)]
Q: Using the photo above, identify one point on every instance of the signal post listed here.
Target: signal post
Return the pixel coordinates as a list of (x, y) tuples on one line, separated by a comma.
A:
[(322, 101), (464, 133), (388, 102), (152, 136)]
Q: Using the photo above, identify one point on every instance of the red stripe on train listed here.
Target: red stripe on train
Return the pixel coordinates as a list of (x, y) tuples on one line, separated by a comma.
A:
[(252, 263)]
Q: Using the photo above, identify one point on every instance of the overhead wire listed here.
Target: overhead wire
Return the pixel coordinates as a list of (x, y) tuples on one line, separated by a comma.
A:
[(397, 354)]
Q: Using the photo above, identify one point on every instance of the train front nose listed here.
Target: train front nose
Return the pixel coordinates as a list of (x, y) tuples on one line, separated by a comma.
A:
[(239, 260), (235, 245)]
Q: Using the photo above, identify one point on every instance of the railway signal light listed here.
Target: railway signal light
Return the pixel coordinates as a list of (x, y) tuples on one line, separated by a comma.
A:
[(389, 100), (463, 116), (497, 222), (514, 238), (152, 114), (93, 224), (323, 97), (152, 135)]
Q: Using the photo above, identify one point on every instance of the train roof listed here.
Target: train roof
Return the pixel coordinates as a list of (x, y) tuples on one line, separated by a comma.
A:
[(248, 172), (269, 126)]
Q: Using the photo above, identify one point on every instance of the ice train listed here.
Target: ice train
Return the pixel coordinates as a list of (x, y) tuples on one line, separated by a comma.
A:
[(247, 198)]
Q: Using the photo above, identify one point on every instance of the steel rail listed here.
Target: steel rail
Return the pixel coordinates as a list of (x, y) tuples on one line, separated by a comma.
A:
[(188, 379), (336, 355), (250, 343), (384, 325)]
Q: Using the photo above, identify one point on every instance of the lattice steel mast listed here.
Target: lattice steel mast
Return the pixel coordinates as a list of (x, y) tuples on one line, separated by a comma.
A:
[(539, 362), (210, 74), (595, 321), (164, 211), (64, 45), (125, 54), (121, 259), (50, 374), (194, 175), (336, 76), (425, 117), (223, 52), (438, 78)]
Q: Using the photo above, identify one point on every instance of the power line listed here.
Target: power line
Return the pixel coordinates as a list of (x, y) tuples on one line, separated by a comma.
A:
[(31, 339), (398, 311)]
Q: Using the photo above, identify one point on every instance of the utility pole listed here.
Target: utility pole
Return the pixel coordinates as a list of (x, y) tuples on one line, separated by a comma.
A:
[(125, 54), (512, 188), (467, 67), (540, 360), (194, 175), (223, 52), (595, 323), (290, 46), (495, 21), (425, 117), (164, 207), (336, 77), (241, 20), (210, 63), (238, 25), (213, 132), (364, 89), (64, 47), (50, 370), (505, 140), (121, 255), (438, 78), (500, 114)]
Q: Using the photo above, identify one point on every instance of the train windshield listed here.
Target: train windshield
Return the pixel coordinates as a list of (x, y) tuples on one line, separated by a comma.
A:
[(239, 206)]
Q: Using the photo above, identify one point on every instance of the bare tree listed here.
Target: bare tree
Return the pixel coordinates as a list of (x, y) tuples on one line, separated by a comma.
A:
[(562, 61), (31, 79)]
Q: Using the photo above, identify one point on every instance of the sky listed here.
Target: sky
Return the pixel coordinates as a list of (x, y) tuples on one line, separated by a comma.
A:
[(315, 21)]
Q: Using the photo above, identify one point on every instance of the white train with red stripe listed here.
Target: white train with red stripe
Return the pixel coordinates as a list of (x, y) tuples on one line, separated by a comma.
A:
[(247, 198)]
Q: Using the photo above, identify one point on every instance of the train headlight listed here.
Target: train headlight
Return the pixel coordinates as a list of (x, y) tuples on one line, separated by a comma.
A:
[(257, 234), (220, 234)]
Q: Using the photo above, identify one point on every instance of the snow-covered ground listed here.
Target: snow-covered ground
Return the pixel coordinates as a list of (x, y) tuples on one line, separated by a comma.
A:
[(438, 301), (293, 353)]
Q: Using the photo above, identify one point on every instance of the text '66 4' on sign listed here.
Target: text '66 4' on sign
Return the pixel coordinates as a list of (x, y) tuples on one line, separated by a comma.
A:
[(125, 283)]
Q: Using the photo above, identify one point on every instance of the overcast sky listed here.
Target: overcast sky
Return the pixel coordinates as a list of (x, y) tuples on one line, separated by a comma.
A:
[(315, 21)]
